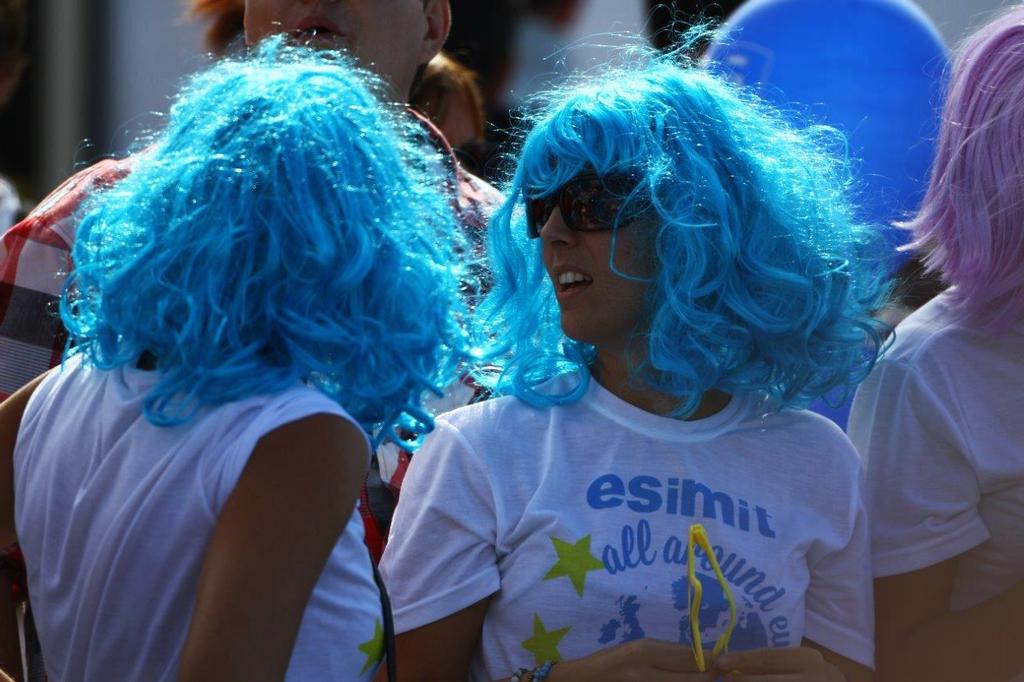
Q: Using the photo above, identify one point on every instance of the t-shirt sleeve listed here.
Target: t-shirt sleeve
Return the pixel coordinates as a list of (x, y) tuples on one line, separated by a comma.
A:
[(221, 474), (922, 491), (839, 600), (441, 555)]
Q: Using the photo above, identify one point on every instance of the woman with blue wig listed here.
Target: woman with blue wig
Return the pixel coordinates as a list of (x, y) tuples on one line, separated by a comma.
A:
[(272, 284), (675, 274)]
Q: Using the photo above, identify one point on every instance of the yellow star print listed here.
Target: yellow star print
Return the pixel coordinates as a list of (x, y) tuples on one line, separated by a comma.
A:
[(373, 647), (574, 562), (544, 645)]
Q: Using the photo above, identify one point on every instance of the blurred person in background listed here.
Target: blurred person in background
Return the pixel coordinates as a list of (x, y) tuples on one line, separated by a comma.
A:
[(938, 422), (448, 93)]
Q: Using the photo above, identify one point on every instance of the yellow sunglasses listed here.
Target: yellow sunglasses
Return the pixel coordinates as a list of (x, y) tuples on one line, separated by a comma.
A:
[(699, 536)]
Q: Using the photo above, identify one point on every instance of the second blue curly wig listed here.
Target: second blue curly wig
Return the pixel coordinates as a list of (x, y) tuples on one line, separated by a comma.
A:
[(284, 227), (764, 280)]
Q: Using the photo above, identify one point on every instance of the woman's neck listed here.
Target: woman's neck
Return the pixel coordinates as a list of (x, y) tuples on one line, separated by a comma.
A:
[(613, 373)]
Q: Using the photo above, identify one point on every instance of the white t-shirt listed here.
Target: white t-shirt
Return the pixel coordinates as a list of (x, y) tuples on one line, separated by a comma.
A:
[(574, 520), (114, 516), (940, 423)]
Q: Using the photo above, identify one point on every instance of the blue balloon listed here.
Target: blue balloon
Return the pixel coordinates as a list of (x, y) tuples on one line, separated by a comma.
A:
[(874, 69)]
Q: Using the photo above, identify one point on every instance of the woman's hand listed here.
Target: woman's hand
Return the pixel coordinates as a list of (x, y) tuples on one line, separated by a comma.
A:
[(642, 660), (790, 664)]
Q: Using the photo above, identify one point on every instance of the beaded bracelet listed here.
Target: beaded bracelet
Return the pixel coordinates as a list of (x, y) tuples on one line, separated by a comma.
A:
[(541, 672), (538, 674), (517, 676)]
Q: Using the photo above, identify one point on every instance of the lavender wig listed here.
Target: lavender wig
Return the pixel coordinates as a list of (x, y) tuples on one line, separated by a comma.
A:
[(971, 224)]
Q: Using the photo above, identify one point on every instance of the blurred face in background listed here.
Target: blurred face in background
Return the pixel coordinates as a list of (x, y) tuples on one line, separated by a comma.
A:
[(393, 38), (459, 124)]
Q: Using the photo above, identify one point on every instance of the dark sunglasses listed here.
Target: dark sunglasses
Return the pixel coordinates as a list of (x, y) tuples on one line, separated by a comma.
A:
[(589, 203)]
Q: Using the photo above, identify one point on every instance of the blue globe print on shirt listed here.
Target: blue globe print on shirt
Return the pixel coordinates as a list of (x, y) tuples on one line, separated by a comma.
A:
[(628, 622), (750, 631)]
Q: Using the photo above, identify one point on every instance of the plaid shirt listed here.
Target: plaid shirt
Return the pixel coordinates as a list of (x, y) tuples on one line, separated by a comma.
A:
[(34, 262)]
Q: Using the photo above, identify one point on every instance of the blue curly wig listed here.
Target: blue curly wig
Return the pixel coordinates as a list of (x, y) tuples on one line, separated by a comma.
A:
[(285, 226), (765, 283)]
